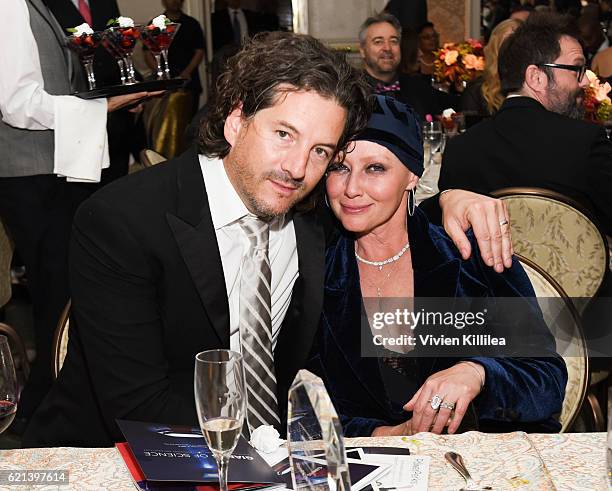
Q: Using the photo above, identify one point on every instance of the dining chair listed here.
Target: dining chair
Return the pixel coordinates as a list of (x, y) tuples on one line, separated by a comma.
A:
[(6, 256), (149, 158), (563, 319), (561, 237), (60, 340), (22, 365)]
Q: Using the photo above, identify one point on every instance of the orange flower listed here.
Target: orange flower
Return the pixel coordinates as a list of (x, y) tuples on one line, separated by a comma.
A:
[(451, 57), (473, 62)]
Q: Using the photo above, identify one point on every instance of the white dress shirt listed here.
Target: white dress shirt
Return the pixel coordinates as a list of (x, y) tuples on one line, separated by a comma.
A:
[(226, 209), (81, 145), (244, 27)]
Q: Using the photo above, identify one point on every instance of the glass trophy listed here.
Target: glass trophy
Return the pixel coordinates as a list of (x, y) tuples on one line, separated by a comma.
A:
[(314, 437)]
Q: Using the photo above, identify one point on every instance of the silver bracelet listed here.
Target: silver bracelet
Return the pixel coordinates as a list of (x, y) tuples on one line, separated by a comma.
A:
[(445, 191), (469, 363)]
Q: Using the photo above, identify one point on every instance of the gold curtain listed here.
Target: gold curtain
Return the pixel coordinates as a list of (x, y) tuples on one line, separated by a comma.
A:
[(166, 119)]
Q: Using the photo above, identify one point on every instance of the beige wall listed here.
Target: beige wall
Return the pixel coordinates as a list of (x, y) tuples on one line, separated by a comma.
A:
[(338, 21), (455, 20), (140, 10)]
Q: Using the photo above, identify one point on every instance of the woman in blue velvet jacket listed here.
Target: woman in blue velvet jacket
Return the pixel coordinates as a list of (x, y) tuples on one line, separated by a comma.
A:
[(386, 248)]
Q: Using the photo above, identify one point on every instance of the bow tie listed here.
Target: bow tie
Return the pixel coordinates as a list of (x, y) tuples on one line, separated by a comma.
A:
[(381, 88)]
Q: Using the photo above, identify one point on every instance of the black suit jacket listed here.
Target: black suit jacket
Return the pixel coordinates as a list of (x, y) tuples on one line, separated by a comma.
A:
[(412, 14), (148, 294), (221, 24), (417, 91), (68, 16), (526, 145)]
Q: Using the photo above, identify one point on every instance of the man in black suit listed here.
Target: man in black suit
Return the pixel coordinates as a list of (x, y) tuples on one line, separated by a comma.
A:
[(537, 138), (412, 14), (379, 45), (120, 124), (232, 25), (157, 258)]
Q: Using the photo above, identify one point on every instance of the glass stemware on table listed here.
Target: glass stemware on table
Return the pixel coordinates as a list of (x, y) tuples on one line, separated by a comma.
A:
[(158, 40), (120, 43), (433, 141), (220, 403), (9, 390), (84, 45)]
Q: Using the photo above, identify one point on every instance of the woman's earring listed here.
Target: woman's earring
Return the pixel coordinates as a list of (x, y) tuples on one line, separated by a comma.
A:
[(411, 202), (326, 202)]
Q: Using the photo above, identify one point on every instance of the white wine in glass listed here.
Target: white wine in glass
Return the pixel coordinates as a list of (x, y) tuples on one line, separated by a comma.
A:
[(220, 403)]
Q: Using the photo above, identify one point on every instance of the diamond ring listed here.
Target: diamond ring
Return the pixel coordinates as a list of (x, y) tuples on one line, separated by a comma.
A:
[(447, 405), (503, 222), (435, 402)]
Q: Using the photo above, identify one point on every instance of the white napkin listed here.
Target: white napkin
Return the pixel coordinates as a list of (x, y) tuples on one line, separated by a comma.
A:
[(81, 142)]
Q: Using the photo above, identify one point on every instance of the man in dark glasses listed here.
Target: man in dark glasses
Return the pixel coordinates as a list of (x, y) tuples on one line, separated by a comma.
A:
[(538, 138)]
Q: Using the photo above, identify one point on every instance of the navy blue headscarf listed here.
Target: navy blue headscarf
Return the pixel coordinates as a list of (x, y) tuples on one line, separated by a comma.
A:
[(396, 127)]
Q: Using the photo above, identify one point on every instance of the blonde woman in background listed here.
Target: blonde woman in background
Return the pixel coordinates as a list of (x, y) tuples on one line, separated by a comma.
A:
[(483, 96)]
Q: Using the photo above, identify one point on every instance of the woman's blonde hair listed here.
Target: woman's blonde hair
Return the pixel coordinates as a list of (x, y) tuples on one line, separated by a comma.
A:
[(491, 87)]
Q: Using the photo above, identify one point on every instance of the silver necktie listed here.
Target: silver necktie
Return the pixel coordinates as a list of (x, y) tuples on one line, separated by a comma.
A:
[(256, 326)]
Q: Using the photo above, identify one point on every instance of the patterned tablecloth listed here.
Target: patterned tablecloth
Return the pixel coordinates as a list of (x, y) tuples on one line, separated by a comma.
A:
[(572, 462)]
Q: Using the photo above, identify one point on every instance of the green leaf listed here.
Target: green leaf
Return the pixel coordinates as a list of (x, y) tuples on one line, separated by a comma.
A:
[(111, 22), (71, 29)]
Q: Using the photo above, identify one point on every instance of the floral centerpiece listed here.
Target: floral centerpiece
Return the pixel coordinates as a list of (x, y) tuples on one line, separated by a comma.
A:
[(459, 63), (597, 104)]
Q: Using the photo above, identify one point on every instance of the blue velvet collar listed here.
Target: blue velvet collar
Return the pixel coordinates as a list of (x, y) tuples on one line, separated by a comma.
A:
[(438, 272)]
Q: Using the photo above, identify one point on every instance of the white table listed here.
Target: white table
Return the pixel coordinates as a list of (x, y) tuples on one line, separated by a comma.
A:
[(571, 462)]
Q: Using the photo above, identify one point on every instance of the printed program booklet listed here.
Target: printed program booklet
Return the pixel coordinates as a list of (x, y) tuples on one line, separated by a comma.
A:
[(170, 453)]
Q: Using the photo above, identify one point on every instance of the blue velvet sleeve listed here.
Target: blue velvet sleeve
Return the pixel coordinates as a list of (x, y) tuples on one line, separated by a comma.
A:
[(526, 389)]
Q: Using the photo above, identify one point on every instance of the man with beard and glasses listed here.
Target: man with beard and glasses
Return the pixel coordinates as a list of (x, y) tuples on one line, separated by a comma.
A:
[(221, 248), (537, 138)]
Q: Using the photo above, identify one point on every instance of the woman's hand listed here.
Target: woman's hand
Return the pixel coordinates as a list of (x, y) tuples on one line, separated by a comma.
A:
[(488, 218), (403, 429), (457, 385)]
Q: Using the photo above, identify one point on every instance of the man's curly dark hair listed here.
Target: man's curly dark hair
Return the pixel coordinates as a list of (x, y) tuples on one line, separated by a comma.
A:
[(273, 63)]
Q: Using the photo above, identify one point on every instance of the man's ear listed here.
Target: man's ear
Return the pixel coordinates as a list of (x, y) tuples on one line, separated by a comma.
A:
[(361, 52), (233, 125), (536, 79)]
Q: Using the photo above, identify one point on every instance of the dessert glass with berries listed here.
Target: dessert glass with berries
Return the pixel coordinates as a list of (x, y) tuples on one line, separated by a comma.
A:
[(84, 41), (116, 54), (120, 39), (157, 36)]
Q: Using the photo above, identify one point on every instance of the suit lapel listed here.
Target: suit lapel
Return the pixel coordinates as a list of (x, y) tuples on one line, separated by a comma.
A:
[(194, 233), (302, 318)]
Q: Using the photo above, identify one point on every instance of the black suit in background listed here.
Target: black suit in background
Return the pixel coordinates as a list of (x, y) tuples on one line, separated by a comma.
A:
[(417, 92), (120, 125), (526, 145), (223, 33), (148, 294), (412, 14)]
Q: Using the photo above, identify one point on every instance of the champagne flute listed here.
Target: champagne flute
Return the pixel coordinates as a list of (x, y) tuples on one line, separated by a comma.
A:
[(432, 142), (9, 391), (432, 137), (220, 403)]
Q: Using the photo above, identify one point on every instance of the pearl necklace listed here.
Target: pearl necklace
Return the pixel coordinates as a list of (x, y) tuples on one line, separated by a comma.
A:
[(380, 264)]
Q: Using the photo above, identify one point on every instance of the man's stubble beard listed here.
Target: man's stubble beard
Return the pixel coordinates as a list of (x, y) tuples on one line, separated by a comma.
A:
[(247, 183), (566, 104), (376, 68)]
